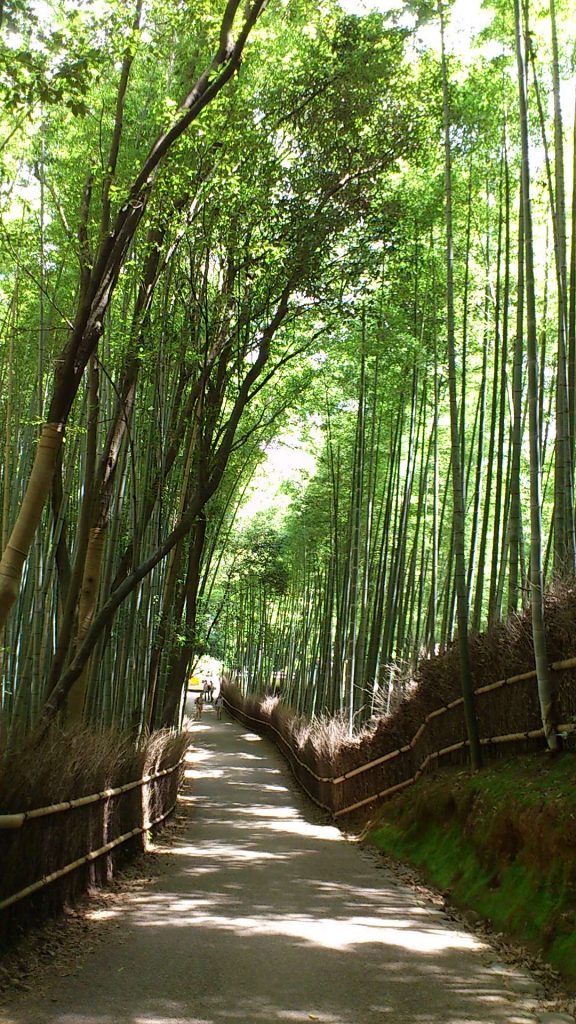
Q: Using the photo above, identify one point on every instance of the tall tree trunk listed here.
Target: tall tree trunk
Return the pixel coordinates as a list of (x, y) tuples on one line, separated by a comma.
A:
[(565, 553), (180, 660), (457, 482), (536, 576), (500, 342), (515, 578), (571, 343)]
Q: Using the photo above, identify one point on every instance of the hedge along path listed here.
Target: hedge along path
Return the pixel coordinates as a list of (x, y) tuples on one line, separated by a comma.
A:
[(557, 666), (13, 821)]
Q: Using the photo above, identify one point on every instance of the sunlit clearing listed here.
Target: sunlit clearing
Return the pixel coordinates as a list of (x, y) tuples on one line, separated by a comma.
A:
[(289, 458)]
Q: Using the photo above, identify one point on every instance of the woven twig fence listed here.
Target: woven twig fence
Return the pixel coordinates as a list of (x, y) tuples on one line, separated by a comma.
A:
[(440, 736), (100, 824)]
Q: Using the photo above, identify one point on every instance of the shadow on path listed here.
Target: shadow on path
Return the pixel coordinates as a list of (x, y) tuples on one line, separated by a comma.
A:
[(266, 914)]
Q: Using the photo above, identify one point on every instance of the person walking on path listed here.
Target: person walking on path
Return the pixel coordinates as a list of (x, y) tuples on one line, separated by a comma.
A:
[(219, 704)]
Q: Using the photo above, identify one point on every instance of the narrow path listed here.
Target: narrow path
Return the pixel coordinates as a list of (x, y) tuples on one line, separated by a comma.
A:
[(267, 915)]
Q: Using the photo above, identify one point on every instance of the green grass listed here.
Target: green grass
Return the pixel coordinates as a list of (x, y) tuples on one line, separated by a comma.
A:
[(503, 842)]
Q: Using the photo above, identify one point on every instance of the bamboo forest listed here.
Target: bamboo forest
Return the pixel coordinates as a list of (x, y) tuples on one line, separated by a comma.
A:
[(288, 348), (287, 511)]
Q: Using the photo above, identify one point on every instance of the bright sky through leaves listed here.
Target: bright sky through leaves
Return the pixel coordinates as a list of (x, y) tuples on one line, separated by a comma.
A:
[(466, 19)]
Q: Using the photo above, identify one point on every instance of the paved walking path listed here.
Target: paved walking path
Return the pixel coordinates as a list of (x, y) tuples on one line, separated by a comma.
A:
[(269, 916)]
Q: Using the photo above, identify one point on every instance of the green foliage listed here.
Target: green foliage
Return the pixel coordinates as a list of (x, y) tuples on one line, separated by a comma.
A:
[(259, 558), (49, 65)]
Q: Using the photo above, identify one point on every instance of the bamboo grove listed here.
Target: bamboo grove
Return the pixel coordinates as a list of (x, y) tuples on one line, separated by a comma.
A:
[(223, 222), (443, 496)]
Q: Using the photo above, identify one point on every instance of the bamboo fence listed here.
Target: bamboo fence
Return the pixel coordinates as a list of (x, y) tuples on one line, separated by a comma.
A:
[(332, 782), (16, 821)]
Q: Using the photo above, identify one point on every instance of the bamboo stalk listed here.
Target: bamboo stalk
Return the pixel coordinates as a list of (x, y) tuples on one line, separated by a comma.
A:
[(24, 530), (372, 764), (370, 799), (522, 677), (418, 734), (561, 666)]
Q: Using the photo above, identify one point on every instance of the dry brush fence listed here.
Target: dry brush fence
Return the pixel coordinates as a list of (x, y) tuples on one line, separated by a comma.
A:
[(50, 854), (414, 739)]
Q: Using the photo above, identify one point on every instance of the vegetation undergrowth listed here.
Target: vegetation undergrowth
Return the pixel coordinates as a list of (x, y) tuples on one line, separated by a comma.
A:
[(501, 843)]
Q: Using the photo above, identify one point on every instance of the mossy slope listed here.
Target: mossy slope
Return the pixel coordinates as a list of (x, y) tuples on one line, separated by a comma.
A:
[(503, 842)]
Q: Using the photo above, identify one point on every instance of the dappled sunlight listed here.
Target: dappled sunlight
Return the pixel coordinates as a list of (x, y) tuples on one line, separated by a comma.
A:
[(287, 819), (262, 788), (169, 1020), (233, 769), (328, 933), (296, 827), (199, 727), (101, 915), (268, 811), (229, 852), (263, 818), (196, 755), (206, 773), (252, 1014)]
